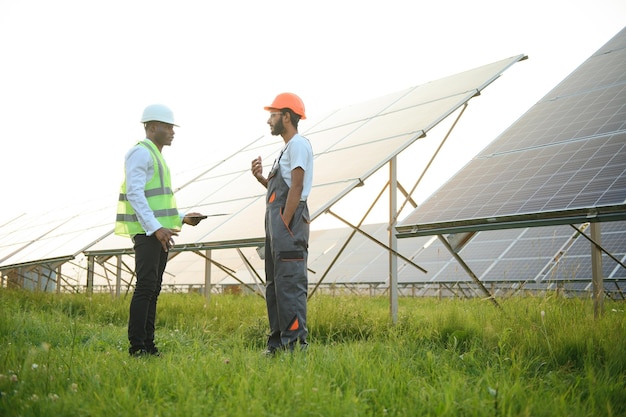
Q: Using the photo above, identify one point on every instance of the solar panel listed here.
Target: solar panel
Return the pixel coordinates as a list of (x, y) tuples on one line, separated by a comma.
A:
[(577, 264), (53, 234), (562, 162)]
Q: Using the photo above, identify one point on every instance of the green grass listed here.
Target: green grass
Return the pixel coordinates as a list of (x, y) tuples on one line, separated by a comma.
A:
[(66, 355)]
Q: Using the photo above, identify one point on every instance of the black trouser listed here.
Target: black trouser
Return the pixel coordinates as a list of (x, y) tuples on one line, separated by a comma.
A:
[(150, 261)]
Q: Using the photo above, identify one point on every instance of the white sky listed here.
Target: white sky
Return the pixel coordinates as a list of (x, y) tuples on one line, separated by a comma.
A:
[(76, 74)]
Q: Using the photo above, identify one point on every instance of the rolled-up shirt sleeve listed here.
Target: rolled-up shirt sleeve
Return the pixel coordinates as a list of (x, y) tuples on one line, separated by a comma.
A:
[(139, 168)]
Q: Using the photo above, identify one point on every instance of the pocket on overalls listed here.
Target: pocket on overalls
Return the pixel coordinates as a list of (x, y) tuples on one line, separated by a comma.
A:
[(291, 256), (285, 223), (301, 215), (298, 229)]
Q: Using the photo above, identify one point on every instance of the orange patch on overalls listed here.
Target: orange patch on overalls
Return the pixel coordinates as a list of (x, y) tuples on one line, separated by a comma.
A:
[(272, 197), (295, 325)]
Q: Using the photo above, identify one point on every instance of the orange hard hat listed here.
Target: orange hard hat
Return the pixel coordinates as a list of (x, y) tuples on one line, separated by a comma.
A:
[(288, 101)]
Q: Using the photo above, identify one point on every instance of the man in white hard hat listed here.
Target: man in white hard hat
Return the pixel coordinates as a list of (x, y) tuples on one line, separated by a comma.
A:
[(287, 226), (147, 213)]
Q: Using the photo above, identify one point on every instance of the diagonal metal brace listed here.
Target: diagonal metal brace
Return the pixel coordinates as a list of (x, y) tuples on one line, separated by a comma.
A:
[(373, 239), (468, 270)]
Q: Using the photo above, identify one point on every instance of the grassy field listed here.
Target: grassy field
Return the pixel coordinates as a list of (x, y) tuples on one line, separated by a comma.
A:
[(66, 355)]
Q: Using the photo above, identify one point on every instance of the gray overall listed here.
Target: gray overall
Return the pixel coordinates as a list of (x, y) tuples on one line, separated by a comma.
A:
[(286, 253)]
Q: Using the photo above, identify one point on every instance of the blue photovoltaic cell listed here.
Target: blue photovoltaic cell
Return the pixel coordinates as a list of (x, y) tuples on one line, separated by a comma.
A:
[(566, 154)]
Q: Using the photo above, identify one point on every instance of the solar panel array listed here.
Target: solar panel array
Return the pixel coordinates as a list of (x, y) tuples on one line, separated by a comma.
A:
[(562, 162), (376, 131)]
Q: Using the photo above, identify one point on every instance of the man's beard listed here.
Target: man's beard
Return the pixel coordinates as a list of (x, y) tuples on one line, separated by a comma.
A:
[(278, 128)]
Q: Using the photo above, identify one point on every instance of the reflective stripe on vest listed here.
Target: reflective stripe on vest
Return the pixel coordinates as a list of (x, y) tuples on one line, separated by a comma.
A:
[(158, 192)]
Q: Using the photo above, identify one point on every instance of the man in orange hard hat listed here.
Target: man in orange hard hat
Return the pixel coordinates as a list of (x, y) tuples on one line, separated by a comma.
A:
[(287, 226)]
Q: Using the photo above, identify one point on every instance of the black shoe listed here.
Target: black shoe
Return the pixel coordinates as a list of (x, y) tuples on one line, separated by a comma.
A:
[(138, 353), (297, 347), (153, 351), (270, 352)]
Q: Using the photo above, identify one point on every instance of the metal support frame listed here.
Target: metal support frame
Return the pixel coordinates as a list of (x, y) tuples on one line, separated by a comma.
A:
[(90, 272), (207, 275), (393, 240), (468, 270), (596, 264), (229, 272), (596, 267), (348, 240), (58, 281), (118, 276), (410, 193), (252, 271), (373, 239), (394, 212), (596, 243)]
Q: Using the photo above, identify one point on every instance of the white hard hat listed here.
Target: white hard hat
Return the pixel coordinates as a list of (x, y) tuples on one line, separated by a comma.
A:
[(159, 113)]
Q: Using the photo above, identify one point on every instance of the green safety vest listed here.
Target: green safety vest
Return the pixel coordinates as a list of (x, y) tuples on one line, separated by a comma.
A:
[(160, 198)]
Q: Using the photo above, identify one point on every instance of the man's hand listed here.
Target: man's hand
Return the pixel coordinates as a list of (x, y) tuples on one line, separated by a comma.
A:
[(193, 218), (257, 170), (166, 237)]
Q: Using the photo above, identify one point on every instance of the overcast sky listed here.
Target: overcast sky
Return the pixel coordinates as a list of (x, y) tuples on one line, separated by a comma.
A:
[(76, 74)]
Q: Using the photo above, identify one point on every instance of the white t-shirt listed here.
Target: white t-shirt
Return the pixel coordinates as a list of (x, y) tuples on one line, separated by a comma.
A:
[(298, 153)]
